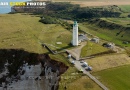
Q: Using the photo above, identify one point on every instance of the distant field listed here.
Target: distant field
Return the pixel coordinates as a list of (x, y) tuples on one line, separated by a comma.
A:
[(121, 21), (84, 3), (101, 2), (115, 78), (125, 8)]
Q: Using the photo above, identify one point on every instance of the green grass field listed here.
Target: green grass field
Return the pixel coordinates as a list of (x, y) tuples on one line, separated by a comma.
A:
[(91, 49), (83, 83), (110, 35), (25, 31), (121, 21), (125, 8), (115, 78), (106, 34)]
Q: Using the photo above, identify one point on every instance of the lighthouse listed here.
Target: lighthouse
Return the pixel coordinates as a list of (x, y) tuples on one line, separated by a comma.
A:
[(75, 34)]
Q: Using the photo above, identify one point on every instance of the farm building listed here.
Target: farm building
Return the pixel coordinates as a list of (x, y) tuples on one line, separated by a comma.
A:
[(125, 42)]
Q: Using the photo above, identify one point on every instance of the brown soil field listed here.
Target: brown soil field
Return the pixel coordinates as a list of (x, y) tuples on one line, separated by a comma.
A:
[(84, 3), (108, 61)]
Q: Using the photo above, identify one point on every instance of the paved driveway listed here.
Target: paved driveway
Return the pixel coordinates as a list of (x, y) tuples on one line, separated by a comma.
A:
[(76, 51), (78, 65)]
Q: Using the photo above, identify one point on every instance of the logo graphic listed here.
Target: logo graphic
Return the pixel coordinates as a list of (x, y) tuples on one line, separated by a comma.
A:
[(30, 3)]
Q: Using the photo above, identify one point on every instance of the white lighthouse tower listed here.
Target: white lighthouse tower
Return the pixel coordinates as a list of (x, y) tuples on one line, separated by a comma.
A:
[(75, 34)]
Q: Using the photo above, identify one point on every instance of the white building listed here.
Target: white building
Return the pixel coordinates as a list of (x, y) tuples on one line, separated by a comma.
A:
[(75, 34)]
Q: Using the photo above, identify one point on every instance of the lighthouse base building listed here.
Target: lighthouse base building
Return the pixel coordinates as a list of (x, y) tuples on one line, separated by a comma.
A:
[(76, 38)]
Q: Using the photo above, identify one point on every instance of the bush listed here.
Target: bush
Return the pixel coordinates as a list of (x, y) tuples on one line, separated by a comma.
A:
[(72, 12), (48, 20), (129, 15)]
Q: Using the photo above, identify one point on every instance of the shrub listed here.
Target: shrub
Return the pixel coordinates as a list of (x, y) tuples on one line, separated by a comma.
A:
[(48, 20)]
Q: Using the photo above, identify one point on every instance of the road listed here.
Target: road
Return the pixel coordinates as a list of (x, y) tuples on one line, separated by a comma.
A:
[(76, 54), (78, 64), (79, 67)]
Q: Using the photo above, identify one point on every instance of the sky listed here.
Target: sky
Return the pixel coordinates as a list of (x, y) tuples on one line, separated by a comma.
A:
[(7, 9)]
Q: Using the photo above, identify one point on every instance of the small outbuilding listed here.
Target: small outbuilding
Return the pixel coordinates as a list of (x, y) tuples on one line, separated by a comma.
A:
[(81, 38), (95, 40), (125, 42), (108, 45), (58, 43)]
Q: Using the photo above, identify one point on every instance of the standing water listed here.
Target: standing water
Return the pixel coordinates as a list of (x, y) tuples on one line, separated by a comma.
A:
[(7, 8)]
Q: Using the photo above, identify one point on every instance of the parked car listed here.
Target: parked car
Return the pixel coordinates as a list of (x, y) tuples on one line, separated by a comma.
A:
[(81, 70), (84, 64), (73, 62), (88, 68)]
